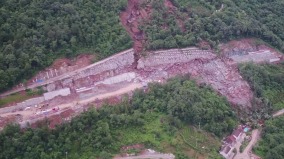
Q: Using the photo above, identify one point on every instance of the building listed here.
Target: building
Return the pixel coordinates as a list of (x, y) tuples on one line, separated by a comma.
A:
[(230, 142), (227, 152), (238, 133)]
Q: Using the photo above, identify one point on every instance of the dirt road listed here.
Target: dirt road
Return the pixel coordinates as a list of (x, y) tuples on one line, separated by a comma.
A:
[(26, 114), (255, 138), (278, 113), (247, 151)]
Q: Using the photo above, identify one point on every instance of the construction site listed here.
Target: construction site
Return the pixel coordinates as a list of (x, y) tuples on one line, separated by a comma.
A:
[(72, 88), (72, 92)]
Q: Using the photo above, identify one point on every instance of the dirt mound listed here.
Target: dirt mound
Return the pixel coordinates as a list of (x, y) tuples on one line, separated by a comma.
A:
[(62, 66), (67, 113), (9, 119), (54, 120), (80, 61)]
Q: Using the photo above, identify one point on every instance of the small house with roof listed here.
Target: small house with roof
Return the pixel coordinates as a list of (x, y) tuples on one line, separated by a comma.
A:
[(230, 142)]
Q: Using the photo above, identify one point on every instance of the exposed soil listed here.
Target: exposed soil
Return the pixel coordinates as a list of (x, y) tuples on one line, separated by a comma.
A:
[(221, 73), (54, 120), (10, 119), (80, 61), (130, 19), (60, 66), (135, 14), (57, 119), (203, 65)]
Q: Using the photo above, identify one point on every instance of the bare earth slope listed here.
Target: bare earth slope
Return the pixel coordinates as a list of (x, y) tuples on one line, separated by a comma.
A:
[(127, 70), (116, 75)]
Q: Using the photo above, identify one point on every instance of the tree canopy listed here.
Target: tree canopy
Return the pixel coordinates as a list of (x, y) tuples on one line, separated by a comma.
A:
[(271, 145), (266, 81), (35, 32), (214, 21), (160, 112)]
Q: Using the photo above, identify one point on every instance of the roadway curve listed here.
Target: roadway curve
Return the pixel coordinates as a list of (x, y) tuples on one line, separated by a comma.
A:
[(256, 136), (246, 154)]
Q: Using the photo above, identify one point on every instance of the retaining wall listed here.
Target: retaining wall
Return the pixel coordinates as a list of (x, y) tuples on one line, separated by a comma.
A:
[(60, 92), (119, 78), (121, 60), (174, 56)]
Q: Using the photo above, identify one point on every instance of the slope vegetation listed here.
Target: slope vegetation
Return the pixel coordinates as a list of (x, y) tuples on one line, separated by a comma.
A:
[(35, 32), (179, 23), (158, 119), (271, 145), (267, 82)]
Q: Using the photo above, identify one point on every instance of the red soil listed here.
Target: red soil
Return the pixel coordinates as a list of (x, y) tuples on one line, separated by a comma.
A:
[(131, 18), (8, 120), (54, 120), (81, 61), (67, 113)]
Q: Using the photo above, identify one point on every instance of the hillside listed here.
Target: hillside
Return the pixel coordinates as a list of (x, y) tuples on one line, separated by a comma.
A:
[(158, 119), (179, 23), (267, 82), (271, 145), (108, 79), (34, 33)]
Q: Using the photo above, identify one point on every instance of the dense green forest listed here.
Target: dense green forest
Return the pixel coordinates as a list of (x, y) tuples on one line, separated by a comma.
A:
[(271, 145), (157, 119), (214, 21), (267, 82), (35, 32)]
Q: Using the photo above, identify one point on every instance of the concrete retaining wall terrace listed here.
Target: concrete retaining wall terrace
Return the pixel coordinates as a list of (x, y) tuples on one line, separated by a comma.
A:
[(120, 60), (119, 78), (60, 92), (174, 56)]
